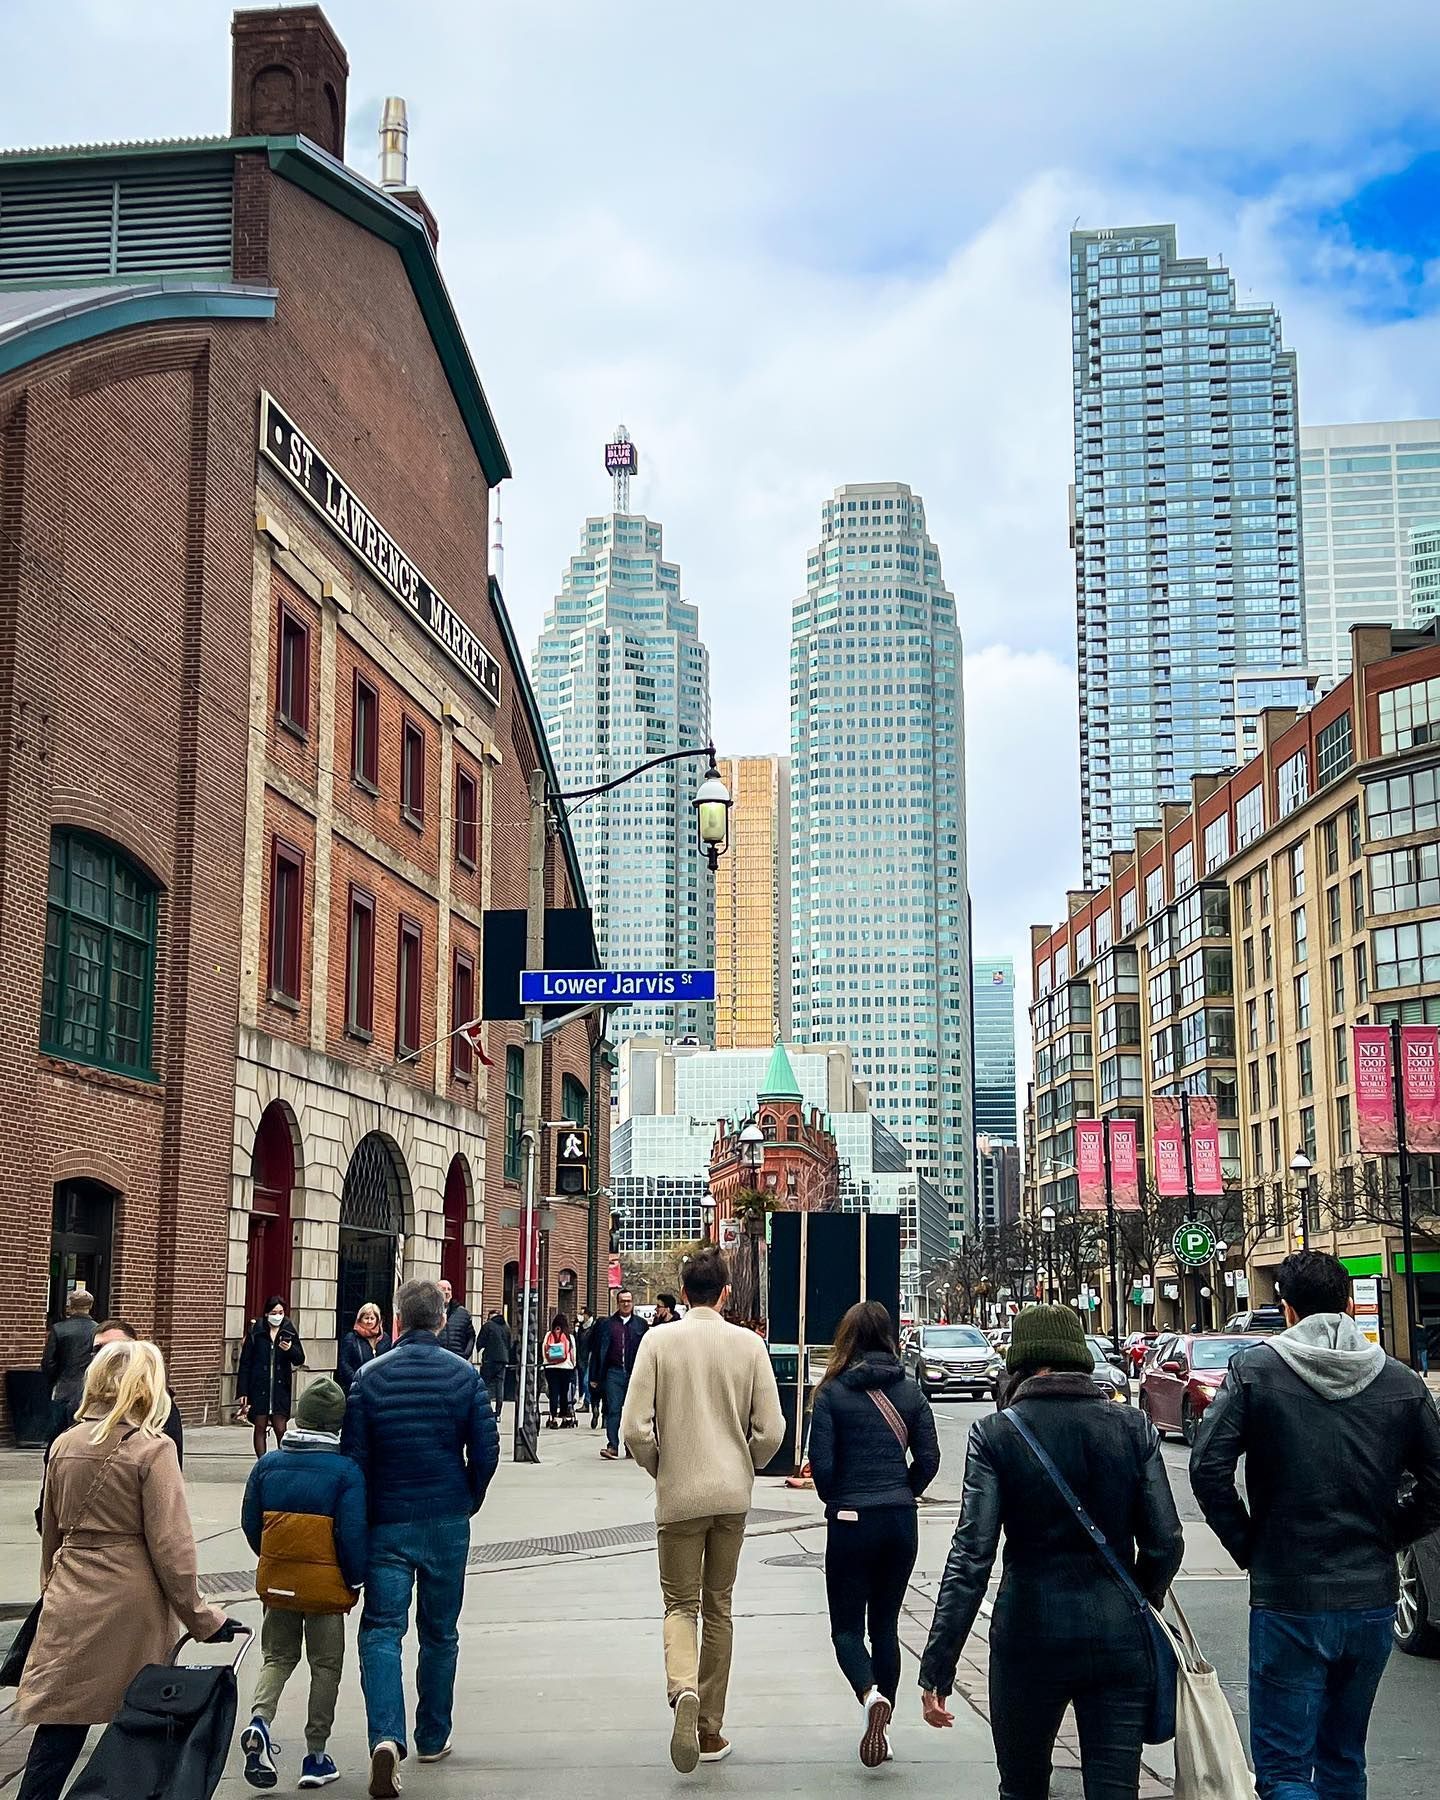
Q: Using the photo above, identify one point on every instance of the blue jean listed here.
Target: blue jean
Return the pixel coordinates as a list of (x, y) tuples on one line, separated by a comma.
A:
[(428, 1555), (1313, 1679), (617, 1383)]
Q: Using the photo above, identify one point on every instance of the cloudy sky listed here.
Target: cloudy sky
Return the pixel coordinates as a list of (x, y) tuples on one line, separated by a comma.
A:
[(816, 241)]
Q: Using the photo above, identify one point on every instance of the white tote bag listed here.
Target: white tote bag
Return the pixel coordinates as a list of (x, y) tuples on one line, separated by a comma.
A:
[(1209, 1758)]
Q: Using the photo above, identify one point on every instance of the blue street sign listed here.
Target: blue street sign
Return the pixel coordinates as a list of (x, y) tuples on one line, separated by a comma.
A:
[(613, 987)]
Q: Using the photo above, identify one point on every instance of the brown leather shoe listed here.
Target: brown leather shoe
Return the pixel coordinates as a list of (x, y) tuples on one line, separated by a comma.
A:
[(609, 1455), (713, 1747)]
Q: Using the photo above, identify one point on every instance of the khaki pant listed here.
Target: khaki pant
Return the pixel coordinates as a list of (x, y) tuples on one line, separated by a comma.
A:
[(698, 1562), (281, 1635)]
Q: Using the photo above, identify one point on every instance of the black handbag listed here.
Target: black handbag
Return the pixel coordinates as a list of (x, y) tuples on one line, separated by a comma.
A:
[(171, 1736), (1164, 1669), (12, 1669)]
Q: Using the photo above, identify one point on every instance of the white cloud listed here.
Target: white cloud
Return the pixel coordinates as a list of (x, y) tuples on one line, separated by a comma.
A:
[(823, 241)]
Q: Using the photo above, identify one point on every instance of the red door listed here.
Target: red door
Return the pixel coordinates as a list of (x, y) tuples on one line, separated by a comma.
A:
[(454, 1262), (272, 1168)]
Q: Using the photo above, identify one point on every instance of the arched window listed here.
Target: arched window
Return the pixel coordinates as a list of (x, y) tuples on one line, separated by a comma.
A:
[(574, 1101), (98, 1004)]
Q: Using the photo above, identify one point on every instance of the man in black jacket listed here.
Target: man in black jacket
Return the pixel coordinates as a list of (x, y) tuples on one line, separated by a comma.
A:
[(459, 1332), (497, 1352), (613, 1345), (1330, 1428), (67, 1357)]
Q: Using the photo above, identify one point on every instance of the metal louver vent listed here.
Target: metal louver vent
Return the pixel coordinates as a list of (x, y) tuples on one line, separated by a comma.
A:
[(142, 222)]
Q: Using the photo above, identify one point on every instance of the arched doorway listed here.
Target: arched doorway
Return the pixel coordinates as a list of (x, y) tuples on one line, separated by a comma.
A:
[(372, 1218), (510, 1293), (567, 1294), (272, 1178), (82, 1235), (454, 1252)]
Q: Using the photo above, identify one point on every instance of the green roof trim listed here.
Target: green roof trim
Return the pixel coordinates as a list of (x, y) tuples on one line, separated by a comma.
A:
[(329, 180), (521, 678), (779, 1082), (72, 327)]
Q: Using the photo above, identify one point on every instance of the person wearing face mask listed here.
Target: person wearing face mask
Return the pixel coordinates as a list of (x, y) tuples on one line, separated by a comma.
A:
[(264, 1381), (361, 1345)]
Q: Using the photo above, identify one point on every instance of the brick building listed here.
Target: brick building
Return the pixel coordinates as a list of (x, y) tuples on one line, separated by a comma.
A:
[(259, 781), (1230, 954), (799, 1167)]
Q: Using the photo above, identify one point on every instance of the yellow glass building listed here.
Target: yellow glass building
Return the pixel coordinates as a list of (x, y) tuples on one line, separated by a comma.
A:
[(752, 906)]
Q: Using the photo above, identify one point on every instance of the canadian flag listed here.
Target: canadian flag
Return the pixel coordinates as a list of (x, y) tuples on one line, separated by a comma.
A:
[(473, 1032)]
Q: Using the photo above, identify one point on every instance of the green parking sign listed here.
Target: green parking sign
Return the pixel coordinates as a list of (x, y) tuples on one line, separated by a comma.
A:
[(1194, 1244)]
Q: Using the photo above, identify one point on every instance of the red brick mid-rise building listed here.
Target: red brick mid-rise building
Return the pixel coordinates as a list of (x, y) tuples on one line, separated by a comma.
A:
[(265, 739)]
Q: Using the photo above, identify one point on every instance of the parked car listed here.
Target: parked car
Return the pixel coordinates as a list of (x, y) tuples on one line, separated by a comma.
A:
[(1417, 1611), (1108, 1372), (1182, 1376), (1136, 1346), (1260, 1318), (1103, 1349), (952, 1359)]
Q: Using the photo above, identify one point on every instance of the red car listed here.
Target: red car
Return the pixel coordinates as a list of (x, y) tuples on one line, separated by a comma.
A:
[(1182, 1376)]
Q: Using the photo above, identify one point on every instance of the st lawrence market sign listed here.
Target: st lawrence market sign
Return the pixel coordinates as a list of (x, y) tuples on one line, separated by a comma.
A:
[(301, 463)]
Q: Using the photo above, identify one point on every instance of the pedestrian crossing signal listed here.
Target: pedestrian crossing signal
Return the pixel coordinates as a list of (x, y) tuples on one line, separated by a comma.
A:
[(572, 1161)]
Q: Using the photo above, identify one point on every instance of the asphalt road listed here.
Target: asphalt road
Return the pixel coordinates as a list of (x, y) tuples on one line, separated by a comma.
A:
[(1405, 1729)]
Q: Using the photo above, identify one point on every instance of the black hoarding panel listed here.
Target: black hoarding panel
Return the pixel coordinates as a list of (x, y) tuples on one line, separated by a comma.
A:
[(833, 1271), (569, 944)]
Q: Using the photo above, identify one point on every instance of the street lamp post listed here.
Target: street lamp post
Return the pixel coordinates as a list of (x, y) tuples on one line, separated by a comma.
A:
[(712, 819), (1217, 1279), (1300, 1167), (752, 1157), (1047, 1228)]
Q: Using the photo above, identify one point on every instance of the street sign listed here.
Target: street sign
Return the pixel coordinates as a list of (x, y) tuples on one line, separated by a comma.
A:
[(1194, 1244), (614, 987), (572, 1160)]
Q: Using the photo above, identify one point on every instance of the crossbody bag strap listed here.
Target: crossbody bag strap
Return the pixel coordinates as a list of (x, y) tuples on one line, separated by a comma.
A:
[(88, 1502), (1072, 1500), (891, 1415)]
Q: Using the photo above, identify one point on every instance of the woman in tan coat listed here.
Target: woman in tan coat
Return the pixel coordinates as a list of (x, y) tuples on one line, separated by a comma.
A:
[(117, 1563)]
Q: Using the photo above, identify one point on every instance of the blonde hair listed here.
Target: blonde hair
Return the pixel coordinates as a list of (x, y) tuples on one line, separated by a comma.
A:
[(128, 1381), (371, 1306)]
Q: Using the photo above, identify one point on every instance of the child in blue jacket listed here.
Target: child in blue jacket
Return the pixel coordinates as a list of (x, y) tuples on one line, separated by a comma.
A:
[(304, 1517)]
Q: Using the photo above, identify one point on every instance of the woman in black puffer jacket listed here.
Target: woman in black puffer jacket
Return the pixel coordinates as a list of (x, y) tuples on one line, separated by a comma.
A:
[(873, 1452)]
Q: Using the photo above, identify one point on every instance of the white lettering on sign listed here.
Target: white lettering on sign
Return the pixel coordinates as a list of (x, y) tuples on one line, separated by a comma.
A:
[(283, 443)]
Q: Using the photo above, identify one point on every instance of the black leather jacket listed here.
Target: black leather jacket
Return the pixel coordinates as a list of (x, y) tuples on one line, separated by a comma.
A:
[(1056, 1597), (1323, 1479)]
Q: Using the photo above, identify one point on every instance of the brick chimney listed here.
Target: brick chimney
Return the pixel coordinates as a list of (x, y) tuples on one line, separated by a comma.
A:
[(288, 74)]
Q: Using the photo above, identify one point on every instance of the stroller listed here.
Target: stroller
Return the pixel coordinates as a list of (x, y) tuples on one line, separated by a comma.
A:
[(171, 1736)]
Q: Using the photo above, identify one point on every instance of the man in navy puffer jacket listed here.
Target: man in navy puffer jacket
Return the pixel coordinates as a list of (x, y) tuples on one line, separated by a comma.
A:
[(421, 1426)]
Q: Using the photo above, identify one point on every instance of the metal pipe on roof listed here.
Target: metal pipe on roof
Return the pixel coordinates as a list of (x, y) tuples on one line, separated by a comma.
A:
[(394, 137)]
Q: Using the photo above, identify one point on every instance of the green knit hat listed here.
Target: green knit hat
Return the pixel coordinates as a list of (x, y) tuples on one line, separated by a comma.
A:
[(321, 1407), (1048, 1337)]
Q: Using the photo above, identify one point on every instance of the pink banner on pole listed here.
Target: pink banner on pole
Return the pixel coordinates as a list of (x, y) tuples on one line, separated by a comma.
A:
[(1167, 1147), (1420, 1084), (1374, 1089), (1205, 1158), (1090, 1164), (1125, 1165)]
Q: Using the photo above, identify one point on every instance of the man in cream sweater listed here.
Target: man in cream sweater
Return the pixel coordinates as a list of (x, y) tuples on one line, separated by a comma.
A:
[(701, 1416)]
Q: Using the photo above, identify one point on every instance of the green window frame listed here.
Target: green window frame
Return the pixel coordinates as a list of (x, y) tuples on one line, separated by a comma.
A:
[(98, 997), (514, 1109)]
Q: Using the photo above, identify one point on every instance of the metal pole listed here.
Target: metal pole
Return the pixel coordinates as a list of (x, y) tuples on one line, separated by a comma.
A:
[(1110, 1238), (1407, 1229), (1189, 1196), (527, 1398)]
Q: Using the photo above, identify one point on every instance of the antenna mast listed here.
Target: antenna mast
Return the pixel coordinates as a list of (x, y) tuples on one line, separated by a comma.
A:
[(622, 460)]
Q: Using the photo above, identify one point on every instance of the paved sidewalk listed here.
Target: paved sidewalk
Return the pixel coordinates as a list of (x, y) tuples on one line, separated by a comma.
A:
[(561, 1685)]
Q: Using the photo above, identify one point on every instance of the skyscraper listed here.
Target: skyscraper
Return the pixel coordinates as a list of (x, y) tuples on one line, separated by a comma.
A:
[(1186, 521), (993, 981), (1365, 492), (622, 676), (752, 905), (879, 910)]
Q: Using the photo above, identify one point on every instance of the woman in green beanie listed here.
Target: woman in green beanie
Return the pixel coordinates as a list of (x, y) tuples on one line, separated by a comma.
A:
[(1064, 1631)]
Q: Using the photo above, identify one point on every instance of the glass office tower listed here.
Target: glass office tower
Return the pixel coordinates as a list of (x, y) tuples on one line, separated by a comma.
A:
[(879, 914), (621, 676), (1186, 521), (1366, 493), (994, 989), (752, 905)]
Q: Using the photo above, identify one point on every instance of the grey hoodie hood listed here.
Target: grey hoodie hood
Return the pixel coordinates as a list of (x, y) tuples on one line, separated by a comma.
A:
[(1332, 1354)]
